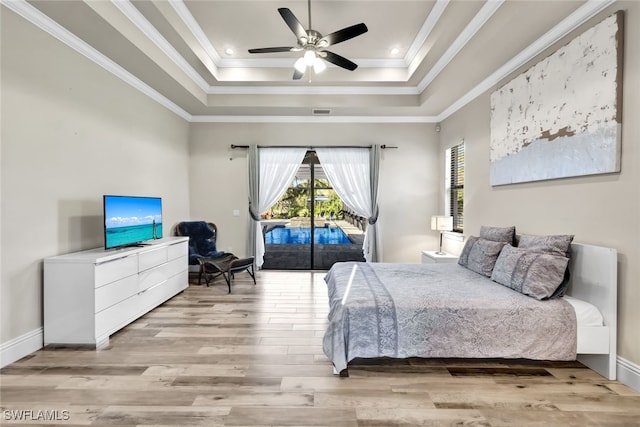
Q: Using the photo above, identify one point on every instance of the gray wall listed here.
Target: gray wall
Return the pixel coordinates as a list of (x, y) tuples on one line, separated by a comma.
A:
[(600, 210), (70, 133), (409, 176)]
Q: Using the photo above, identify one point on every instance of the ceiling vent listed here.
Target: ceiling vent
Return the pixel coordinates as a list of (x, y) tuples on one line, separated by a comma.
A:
[(321, 111)]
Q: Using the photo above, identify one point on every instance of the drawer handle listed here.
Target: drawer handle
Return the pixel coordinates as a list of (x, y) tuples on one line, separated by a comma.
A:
[(116, 259), (153, 287)]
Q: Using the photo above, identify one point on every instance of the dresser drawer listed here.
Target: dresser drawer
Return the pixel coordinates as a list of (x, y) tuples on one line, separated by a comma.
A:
[(178, 250), (162, 292), (177, 265), (153, 276), (116, 269), (152, 258), (114, 292), (117, 316)]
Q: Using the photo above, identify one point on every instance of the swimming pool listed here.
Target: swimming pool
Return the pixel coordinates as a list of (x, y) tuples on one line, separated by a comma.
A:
[(302, 236)]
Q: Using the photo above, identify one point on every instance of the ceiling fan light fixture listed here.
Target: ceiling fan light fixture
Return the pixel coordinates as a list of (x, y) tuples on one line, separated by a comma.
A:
[(300, 65), (319, 66), (309, 57), (313, 44)]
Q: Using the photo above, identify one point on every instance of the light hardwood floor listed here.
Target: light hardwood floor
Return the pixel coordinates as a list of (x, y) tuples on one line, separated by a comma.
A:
[(254, 358)]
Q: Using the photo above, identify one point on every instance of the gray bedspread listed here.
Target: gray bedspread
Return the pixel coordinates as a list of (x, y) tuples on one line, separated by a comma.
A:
[(439, 310)]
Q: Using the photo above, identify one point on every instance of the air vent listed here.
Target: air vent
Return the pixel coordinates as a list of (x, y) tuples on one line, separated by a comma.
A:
[(321, 111)]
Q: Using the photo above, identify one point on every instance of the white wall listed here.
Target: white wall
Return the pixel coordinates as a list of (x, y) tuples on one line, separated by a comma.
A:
[(601, 210), (409, 177), (71, 132)]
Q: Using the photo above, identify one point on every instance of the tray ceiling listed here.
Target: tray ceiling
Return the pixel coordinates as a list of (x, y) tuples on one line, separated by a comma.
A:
[(448, 52)]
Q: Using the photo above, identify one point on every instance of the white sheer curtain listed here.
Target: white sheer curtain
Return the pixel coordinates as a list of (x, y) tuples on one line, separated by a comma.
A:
[(353, 173), (276, 168)]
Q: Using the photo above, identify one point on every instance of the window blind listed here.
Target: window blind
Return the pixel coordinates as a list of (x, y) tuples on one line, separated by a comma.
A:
[(456, 193)]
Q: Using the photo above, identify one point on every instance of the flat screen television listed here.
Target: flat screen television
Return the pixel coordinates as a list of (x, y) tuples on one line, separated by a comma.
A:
[(131, 220)]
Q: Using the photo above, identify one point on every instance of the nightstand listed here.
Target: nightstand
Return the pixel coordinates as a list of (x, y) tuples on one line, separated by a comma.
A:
[(430, 257)]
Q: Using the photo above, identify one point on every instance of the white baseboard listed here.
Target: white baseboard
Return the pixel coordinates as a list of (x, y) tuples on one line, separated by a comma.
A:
[(628, 373), (21, 346)]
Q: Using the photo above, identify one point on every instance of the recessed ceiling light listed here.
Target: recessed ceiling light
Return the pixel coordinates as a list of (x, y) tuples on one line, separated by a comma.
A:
[(395, 51), (228, 51)]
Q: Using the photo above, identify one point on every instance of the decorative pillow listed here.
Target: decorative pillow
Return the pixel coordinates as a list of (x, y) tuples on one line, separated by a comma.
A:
[(531, 273), (480, 255), (559, 244), (463, 259), (498, 234), (562, 289)]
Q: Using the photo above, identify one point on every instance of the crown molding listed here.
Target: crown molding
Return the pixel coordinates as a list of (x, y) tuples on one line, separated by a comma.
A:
[(425, 30), (40, 20), (191, 23), (312, 90), (463, 38), (138, 19), (314, 119)]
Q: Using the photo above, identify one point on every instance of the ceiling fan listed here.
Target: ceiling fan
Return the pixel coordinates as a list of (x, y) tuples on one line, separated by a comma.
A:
[(314, 44)]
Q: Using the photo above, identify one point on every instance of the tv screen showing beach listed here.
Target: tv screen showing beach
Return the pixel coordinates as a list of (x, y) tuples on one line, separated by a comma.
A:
[(129, 220)]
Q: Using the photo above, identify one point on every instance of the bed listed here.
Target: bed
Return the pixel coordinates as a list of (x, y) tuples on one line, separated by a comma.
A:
[(446, 311)]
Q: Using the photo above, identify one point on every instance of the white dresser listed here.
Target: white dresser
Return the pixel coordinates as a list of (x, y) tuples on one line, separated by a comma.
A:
[(91, 294)]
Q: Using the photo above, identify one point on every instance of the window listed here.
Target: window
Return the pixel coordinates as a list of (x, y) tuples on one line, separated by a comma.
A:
[(455, 185)]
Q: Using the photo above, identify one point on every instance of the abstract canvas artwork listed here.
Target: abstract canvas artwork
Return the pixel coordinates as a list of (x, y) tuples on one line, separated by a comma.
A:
[(562, 117)]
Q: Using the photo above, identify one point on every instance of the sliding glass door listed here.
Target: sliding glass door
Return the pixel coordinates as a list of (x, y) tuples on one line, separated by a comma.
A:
[(309, 227)]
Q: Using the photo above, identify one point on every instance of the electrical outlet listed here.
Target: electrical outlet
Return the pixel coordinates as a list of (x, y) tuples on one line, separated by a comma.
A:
[(236, 212)]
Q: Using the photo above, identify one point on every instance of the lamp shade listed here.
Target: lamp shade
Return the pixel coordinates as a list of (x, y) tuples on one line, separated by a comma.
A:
[(441, 223)]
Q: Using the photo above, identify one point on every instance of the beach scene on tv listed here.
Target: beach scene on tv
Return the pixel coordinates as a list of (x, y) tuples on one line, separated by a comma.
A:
[(131, 220)]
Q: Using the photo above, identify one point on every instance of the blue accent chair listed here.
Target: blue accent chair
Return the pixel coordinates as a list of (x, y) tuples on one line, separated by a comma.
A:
[(203, 252)]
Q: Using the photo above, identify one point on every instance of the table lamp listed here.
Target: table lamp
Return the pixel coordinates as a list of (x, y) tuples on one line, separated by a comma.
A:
[(441, 223)]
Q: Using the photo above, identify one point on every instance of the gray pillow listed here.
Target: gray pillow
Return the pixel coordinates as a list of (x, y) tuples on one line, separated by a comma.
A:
[(480, 255), (535, 274), (558, 244), (498, 234)]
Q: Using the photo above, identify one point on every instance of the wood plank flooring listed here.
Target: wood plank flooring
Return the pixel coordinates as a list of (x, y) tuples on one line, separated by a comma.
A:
[(254, 358)]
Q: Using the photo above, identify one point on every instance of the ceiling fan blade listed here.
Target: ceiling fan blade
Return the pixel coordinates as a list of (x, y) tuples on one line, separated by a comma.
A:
[(271, 49), (293, 23), (342, 35), (297, 75), (340, 61)]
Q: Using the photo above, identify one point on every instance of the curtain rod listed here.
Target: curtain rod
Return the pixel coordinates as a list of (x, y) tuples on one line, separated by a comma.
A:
[(310, 147)]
